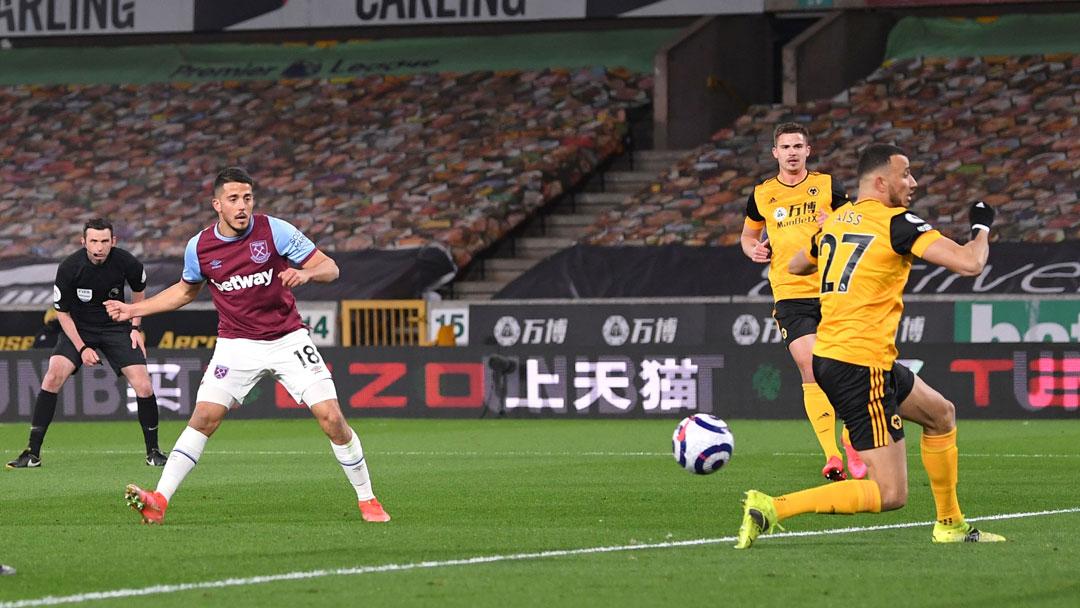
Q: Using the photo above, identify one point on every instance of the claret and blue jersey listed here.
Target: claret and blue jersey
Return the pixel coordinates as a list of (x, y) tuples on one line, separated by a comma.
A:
[(243, 275)]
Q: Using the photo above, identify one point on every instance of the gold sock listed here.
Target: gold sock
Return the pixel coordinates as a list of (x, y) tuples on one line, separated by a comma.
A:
[(940, 459), (822, 417), (850, 496), (845, 436)]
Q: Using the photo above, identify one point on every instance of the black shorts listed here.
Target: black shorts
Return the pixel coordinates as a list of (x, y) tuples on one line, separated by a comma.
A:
[(796, 318), (867, 399), (112, 342)]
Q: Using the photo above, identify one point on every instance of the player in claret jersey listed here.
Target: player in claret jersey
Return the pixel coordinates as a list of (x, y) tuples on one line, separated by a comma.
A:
[(249, 259), (865, 251)]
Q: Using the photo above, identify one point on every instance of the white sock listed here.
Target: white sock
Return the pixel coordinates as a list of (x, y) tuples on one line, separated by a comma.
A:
[(183, 457), (351, 458)]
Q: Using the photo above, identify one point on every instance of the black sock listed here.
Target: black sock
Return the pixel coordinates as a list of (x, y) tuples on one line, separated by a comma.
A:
[(44, 410), (148, 420)]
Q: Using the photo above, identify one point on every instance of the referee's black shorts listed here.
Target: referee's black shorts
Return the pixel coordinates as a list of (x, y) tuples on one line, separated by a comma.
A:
[(114, 342), (867, 399), (796, 318)]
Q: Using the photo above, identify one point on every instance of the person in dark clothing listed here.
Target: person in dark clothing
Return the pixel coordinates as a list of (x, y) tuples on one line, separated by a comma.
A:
[(50, 330), (84, 281)]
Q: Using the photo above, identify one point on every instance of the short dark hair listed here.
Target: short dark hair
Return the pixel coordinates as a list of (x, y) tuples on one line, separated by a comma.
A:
[(789, 127), (97, 223), (232, 174), (875, 156)]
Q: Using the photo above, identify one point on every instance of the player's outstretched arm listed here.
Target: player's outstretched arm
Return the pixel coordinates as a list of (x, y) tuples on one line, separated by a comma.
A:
[(968, 259), (176, 296)]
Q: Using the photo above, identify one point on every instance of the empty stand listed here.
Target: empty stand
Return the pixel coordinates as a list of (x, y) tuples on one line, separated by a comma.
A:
[(1003, 129), (375, 162)]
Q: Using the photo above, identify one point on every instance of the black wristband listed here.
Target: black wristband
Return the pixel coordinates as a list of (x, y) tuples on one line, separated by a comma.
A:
[(84, 347)]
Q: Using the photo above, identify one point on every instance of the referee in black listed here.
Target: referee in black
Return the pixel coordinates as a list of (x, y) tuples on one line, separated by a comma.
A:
[(84, 280)]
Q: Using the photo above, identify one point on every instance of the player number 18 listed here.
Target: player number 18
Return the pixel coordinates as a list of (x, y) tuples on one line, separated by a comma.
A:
[(310, 355)]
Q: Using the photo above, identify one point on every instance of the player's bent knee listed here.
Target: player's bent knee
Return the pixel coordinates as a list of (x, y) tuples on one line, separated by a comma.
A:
[(207, 417), (55, 377), (947, 414), (142, 389), (330, 417), (139, 380), (943, 417), (53, 382)]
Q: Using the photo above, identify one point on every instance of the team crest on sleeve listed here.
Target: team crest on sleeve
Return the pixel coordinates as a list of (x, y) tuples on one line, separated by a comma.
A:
[(220, 371), (260, 251)]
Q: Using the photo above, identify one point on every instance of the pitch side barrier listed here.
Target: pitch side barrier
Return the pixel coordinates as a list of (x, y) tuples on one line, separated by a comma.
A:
[(656, 380), (995, 357), (731, 321)]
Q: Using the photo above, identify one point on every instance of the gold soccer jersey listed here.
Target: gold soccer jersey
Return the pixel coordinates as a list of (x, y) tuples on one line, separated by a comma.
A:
[(789, 216), (864, 254)]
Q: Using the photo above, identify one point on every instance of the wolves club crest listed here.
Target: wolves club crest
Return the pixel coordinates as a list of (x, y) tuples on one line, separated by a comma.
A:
[(260, 251), (220, 371)]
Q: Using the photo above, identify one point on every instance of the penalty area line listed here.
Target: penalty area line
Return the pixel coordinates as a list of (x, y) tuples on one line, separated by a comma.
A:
[(472, 561)]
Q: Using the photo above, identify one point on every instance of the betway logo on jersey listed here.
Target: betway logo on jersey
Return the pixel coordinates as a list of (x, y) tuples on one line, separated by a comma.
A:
[(244, 281)]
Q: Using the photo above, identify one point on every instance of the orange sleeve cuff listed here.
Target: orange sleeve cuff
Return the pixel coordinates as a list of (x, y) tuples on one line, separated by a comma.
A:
[(925, 240)]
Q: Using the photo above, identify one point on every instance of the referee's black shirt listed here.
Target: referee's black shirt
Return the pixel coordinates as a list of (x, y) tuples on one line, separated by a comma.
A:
[(82, 287)]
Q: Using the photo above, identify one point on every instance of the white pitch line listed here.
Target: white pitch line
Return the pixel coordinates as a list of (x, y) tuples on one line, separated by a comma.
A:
[(471, 561), (463, 454), (389, 453)]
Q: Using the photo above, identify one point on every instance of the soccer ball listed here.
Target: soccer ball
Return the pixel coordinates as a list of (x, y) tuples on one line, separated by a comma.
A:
[(702, 444)]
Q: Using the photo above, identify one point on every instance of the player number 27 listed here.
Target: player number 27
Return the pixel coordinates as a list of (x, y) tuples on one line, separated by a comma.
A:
[(861, 241)]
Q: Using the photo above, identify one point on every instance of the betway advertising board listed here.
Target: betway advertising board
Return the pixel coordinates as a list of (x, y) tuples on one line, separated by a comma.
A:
[(1018, 321), (984, 381), (86, 17)]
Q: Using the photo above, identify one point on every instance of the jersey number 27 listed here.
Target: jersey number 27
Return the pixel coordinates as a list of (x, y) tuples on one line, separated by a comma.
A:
[(861, 241)]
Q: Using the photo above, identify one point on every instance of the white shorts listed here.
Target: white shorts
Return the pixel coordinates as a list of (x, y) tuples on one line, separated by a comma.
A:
[(239, 363)]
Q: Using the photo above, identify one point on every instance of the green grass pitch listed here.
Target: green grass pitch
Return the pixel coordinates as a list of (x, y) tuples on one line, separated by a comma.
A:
[(476, 503)]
